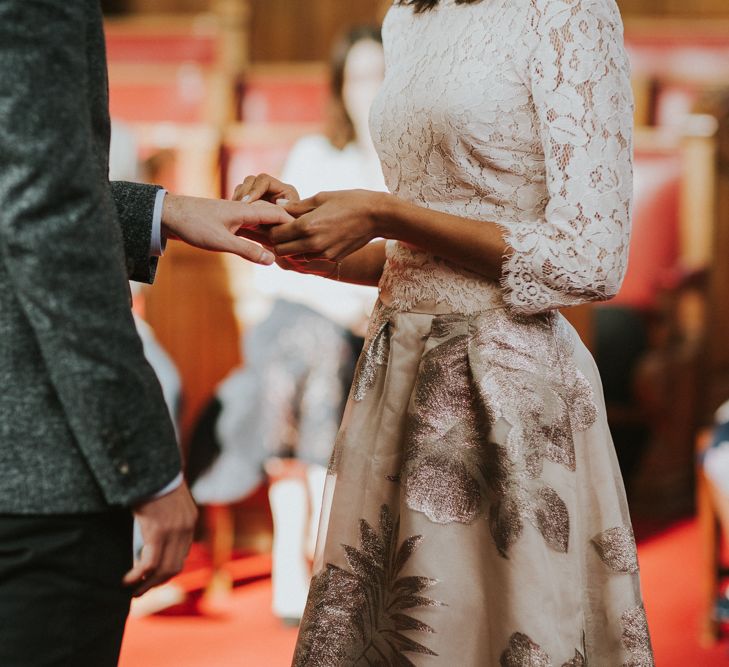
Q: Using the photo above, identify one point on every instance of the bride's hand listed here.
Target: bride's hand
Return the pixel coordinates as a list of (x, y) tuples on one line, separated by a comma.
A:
[(317, 267), (265, 187), (329, 226)]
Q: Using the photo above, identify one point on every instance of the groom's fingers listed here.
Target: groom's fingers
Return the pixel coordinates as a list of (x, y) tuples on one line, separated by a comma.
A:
[(265, 214), (248, 250), (145, 567), (171, 561)]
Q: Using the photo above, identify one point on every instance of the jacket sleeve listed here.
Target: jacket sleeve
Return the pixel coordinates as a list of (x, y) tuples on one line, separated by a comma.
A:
[(61, 243), (135, 212), (580, 84)]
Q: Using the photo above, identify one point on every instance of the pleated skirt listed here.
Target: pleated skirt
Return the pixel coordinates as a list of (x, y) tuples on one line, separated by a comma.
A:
[(474, 513)]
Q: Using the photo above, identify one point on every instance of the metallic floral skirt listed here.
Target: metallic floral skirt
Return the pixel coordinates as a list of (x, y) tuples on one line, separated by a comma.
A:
[(474, 513)]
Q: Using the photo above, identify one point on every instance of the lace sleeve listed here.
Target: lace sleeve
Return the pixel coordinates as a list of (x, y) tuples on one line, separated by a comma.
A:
[(580, 86)]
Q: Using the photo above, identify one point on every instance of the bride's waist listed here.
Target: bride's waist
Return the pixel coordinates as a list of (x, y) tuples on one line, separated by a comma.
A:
[(427, 284)]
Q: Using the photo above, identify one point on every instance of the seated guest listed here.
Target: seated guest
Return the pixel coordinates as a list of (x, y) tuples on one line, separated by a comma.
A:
[(304, 336), (715, 462)]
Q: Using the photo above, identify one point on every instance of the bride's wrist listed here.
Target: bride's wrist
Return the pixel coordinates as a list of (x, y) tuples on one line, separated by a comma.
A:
[(387, 215)]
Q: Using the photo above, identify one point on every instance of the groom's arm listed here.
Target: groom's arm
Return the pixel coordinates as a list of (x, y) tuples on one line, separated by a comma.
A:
[(61, 244), (139, 211)]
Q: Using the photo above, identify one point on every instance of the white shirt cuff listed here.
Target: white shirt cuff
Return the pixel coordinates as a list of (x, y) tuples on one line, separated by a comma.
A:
[(157, 243), (172, 486)]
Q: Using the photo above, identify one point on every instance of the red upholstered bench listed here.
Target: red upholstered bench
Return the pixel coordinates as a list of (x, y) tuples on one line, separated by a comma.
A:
[(170, 93), (124, 45), (289, 93), (180, 69), (654, 246)]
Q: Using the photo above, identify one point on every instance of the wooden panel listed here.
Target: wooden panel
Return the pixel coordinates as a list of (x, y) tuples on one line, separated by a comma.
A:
[(290, 30), (675, 7), (314, 7), (717, 363)]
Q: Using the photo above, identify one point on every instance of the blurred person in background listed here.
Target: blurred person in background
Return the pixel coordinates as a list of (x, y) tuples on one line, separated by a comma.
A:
[(474, 511), (715, 461), (281, 410)]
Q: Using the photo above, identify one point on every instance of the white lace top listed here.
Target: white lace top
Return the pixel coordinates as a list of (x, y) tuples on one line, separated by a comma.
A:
[(517, 112)]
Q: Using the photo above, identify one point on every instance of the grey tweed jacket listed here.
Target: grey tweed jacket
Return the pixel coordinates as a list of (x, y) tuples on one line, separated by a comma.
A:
[(83, 425)]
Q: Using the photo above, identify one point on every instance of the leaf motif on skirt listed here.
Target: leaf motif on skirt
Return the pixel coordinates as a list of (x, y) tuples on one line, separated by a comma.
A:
[(506, 521), (552, 519), (616, 547), (636, 638), (375, 354), (524, 373), (524, 652), (444, 432), (358, 617), (577, 661), (480, 369)]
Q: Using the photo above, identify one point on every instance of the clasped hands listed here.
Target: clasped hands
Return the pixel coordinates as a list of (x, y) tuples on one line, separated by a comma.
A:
[(319, 232), (267, 221)]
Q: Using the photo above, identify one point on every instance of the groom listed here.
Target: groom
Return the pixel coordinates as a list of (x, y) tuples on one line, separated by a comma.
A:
[(85, 438)]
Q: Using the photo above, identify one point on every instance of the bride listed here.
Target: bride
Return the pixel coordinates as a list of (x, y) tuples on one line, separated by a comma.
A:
[(474, 511)]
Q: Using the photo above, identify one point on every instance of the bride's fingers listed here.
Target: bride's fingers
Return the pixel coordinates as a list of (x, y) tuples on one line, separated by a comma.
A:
[(244, 189), (298, 247), (290, 231), (257, 234), (265, 187), (299, 208)]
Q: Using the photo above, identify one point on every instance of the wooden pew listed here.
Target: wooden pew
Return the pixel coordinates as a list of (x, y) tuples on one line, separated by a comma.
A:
[(674, 379)]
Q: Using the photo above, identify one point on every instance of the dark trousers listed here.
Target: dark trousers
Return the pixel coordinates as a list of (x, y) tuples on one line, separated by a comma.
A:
[(62, 603)]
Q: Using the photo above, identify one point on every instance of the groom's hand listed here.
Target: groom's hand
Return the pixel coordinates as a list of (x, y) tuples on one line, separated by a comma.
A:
[(167, 526), (220, 225)]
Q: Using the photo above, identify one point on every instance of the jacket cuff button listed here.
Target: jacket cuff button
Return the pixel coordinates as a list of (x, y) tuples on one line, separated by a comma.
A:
[(123, 468)]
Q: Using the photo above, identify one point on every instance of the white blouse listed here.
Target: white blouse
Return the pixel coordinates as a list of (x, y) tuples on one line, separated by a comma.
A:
[(518, 112)]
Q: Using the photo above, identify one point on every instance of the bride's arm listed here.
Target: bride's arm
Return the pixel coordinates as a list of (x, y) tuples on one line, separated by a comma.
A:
[(363, 267), (335, 224)]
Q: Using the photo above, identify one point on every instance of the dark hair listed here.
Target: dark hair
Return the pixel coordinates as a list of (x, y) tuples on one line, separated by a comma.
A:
[(425, 5), (340, 128)]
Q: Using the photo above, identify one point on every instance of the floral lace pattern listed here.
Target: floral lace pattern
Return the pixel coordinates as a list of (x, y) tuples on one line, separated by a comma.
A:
[(517, 112)]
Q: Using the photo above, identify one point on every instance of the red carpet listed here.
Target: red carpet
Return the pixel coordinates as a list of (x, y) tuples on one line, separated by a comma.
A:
[(250, 637)]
